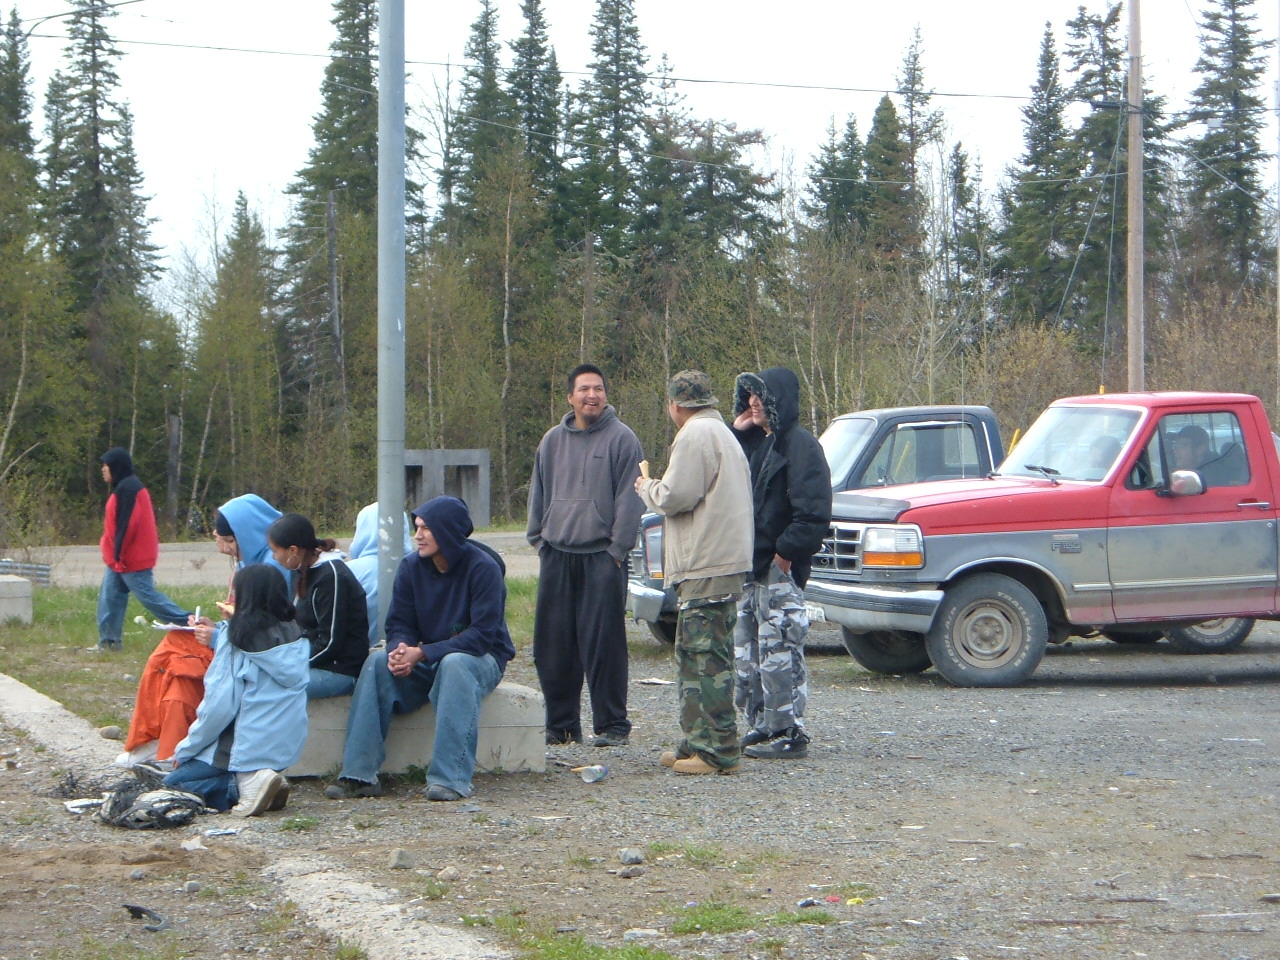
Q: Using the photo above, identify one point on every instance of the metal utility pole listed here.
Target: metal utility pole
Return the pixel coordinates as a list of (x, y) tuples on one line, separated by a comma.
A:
[(391, 297), (1136, 272)]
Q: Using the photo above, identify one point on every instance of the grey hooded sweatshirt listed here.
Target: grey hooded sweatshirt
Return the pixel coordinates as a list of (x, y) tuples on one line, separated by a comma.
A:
[(582, 496)]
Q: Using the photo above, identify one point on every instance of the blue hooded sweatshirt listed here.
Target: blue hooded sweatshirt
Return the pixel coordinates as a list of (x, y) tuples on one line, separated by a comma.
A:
[(459, 610), (363, 560), (264, 694), (249, 516)]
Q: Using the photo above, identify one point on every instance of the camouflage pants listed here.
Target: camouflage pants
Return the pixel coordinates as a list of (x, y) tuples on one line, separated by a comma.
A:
[(772, 680), (704, 649)]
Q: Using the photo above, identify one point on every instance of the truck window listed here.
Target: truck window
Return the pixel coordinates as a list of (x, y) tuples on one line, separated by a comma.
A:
[(1071, 443), (842, 443), (1210, 443), (924, 451)]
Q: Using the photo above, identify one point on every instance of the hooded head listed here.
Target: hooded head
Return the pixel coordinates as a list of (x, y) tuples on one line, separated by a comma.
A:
[(779, 391), (119, 463), (365, 541), (249, 516), (450, 524)]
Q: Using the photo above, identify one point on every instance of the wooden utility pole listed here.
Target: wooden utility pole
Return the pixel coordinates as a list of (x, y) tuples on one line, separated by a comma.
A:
[(1136, 273)]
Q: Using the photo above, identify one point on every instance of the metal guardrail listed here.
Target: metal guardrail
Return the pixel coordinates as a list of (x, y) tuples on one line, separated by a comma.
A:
[(41, 573)]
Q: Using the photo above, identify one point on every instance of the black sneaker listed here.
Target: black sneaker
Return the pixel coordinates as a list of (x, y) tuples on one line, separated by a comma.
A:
[(611, 739), (560, 738), (752, 737), (791, 744), (346, 789)]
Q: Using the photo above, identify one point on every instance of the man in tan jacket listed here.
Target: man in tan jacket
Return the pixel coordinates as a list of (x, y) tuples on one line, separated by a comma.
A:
[(705, 495)]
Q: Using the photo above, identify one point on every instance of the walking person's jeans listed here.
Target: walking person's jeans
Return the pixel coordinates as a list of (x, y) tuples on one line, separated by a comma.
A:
[(455, 686), (113, 599)]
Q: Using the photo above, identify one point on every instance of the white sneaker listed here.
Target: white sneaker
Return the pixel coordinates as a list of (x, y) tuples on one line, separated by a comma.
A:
[(257, 791), (143, 753)]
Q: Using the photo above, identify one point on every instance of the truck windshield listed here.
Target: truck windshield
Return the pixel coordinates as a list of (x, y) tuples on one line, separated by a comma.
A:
[(1071, 443), (843, 441)]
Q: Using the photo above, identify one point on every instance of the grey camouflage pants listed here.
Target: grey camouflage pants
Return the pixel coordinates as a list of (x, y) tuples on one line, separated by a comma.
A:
[(772, 682)]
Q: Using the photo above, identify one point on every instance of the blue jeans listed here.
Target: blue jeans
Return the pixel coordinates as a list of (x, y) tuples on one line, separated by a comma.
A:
[(113, 599), (217, 787), (322, 684), (455, 687)]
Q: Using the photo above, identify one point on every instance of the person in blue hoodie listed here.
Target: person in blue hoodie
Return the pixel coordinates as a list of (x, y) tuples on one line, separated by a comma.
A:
[(362, 558), (447, 644), (252, 722)]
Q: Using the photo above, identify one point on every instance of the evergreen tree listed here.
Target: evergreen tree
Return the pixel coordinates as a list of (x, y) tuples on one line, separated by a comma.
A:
[(920, 126), (1096, 202), (1033, 263), (1224, 177), (486, 128), (837, 195), (535, 86), (15, 92), (101, 231), (607, 129), (891, 222)]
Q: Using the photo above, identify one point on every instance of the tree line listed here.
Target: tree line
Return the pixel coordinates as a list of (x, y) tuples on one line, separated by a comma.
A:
[(551, 222)]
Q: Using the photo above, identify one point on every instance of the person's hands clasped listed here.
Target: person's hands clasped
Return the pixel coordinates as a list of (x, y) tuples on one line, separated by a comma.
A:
[(402, 659)]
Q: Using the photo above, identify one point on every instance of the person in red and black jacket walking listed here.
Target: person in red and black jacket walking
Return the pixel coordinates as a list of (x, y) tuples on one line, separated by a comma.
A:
[(129, 549)]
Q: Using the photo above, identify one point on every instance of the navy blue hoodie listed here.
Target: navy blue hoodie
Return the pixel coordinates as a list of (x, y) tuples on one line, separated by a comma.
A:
[(459, 610)]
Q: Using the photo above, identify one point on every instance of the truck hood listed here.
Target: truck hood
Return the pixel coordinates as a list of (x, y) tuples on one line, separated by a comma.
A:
[(950, 505)]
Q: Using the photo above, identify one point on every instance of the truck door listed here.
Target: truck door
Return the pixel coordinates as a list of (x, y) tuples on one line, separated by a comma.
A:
[(1208, 554)]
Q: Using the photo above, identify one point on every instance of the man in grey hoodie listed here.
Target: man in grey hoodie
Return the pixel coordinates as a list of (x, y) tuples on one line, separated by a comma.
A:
[(583, 518)]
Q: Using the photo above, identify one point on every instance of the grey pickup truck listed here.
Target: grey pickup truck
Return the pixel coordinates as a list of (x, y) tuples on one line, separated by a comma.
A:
[(871, 448)]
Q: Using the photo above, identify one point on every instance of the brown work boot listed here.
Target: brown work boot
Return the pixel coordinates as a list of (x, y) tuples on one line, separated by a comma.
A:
[(668, 758), (696, 764)]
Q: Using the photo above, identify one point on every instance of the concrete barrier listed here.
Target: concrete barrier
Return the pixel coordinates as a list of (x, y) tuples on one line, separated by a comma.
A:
[(512, 736), (15, 599)]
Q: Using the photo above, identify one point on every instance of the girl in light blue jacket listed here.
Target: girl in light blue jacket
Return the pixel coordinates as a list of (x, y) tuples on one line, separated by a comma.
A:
[(252, 722)]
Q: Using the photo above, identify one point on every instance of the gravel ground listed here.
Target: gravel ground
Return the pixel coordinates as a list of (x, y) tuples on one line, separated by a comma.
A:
[(1122, 803)]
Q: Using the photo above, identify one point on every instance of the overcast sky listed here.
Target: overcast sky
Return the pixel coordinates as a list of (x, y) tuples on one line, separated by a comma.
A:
[(224, 92)]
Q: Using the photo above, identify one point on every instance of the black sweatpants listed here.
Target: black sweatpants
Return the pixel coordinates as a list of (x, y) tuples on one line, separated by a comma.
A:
[(579, 631)]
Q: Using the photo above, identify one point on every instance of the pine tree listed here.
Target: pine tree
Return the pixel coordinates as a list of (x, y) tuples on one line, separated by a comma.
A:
[(1224, 175), (535, 86), (891, 221), (486, 129), (607, 129), (101, 234), (837, 195), (1033, 263), (921, 127)]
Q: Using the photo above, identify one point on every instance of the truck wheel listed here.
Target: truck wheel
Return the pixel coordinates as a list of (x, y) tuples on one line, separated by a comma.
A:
[(888, 651), (1133, 637), (1213, 636), (663, 630), (989, 632)]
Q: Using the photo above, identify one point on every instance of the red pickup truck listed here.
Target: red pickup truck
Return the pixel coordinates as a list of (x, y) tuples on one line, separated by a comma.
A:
[(1136, 516)]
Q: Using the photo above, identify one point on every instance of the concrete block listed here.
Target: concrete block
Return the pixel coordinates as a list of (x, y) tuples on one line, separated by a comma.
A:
[(15, 599), (512, 736)]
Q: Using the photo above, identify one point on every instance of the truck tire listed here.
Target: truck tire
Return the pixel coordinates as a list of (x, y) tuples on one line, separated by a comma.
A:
[(989, 632), (1213, 636), (888, 651), (663, 630)]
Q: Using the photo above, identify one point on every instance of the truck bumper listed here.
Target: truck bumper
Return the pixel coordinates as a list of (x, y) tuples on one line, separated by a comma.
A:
[(644, 602), (865, 608)]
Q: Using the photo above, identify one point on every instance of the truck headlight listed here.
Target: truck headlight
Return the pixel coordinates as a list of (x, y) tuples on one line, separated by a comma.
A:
[(900, 547), (653, 550)]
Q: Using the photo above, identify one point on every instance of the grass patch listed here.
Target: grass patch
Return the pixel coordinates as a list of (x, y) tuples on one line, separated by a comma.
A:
[(542, 945), (282, 918), (792, 918), (350, 951), (433, 889), (579, 859), (91, 948), (714, 918), (299, 824), (50, 654), (699, 856)]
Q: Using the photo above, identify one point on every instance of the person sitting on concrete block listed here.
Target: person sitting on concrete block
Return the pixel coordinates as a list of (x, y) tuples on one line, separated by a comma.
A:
[(447, 644)]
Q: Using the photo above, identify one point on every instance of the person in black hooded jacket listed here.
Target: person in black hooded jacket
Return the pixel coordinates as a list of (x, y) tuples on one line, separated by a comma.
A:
[(791, 495), (130, 547)]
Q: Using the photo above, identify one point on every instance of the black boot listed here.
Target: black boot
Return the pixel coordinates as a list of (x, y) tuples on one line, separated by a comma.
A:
[(790, 744)]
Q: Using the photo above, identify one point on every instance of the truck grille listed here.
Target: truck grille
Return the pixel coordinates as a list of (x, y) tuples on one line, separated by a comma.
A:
[(841, 551)]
